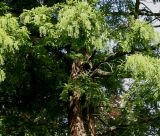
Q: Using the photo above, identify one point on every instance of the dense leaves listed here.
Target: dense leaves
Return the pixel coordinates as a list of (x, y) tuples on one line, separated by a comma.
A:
[(115, 58)]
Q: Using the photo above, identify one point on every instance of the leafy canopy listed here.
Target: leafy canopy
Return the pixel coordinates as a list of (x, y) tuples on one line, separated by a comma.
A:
[(37, 49)]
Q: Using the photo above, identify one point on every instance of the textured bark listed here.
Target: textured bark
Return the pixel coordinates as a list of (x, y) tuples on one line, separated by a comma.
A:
[(89, 121), (80, 124), (75, 116)]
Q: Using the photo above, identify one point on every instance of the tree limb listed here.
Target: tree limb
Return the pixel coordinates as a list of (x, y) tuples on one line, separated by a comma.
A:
[(92, 56), (120, 126), (100, 73), (132, 13), (156, 26), (137, 9), (149, 14), (121, 54), (101, 120)]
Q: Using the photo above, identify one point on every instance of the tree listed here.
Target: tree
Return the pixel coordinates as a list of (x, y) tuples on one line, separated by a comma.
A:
[(65, 69)]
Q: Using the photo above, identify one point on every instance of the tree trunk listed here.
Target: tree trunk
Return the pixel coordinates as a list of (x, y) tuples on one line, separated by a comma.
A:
[(80, 124), (89, 120), (76, 120)]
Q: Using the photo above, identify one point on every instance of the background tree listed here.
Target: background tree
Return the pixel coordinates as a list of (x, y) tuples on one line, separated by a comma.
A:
[(65, 69)]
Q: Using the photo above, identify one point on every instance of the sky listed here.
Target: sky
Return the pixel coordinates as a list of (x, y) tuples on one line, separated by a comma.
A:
[(151, 5), (155, 8)]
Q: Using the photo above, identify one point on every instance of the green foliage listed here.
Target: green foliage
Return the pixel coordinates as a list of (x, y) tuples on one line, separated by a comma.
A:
[(141, 99), (37, 16), (37, 50), (11, 37), (3, 8), (74, 25), (82, 25), (144, 68), (145, 71), (92, 90), (138, 36)]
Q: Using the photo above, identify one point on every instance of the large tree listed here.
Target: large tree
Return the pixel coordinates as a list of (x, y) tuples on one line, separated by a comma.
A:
[(79, 68)]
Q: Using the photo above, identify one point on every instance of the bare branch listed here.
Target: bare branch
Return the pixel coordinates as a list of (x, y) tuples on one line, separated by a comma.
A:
[(146, 8), (131, 13), (156, 26), (149, 14), (100, 73)]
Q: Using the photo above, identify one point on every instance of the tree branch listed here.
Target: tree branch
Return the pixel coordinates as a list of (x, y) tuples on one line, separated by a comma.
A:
[(92, 56), (101, 120), (146, 8), (121, 54), (100, 73), (137, 9), (149, 14), (156, 26), (150, 120), (131, 13)]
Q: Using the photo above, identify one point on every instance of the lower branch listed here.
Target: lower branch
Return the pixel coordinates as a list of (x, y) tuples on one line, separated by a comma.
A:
[(100, 73)]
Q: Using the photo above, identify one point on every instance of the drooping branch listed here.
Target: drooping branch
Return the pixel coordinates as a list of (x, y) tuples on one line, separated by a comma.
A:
[(146, 7)]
